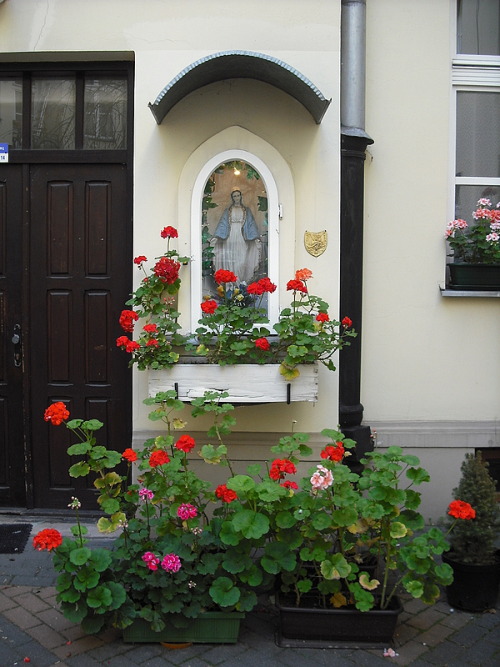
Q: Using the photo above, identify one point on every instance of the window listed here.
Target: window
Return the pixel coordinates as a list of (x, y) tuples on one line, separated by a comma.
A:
[(234, 226), (45, 110), (476, 92), (11, 111)]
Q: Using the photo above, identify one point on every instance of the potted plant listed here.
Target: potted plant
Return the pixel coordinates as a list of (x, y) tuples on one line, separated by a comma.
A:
[(168, 575), (359, 539), (476, 249), (234, 329), (473, 555), (188, 548)]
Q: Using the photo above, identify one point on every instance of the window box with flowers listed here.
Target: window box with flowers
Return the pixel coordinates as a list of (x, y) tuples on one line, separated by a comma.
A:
[(476, 249), (235, 348)]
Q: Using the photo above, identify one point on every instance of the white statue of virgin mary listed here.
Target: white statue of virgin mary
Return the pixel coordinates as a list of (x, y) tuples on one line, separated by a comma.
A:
[(236, 240)]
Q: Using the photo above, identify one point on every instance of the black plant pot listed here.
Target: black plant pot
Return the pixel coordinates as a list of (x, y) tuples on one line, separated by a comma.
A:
[(474, 276), (474, 587), (337, 625)]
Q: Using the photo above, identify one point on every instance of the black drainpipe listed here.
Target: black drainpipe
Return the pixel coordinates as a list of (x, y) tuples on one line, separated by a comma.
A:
[(354, 142)]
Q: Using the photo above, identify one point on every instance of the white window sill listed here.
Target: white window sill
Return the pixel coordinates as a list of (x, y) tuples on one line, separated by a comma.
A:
[(492, 294)]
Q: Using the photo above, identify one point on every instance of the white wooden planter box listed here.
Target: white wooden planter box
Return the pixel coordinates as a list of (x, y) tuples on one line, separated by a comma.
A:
[(245, 383)]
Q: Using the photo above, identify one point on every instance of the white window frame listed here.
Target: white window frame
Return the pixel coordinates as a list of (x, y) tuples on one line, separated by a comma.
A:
[(273, 227), (470, 73)]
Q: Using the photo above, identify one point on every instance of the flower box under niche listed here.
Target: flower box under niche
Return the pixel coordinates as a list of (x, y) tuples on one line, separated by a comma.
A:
[(245, 383)]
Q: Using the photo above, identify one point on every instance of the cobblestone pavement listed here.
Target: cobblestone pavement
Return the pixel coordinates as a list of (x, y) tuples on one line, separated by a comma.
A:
[(33, 630)]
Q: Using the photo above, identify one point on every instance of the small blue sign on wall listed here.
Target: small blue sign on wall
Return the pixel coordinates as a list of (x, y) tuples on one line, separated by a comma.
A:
[(4, 152)]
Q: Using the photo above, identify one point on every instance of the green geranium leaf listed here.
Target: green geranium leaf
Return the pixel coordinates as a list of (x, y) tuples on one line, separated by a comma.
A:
[(321, 520), (398, 529), (285, 520), (278, 557), (118, 594), (105, 525), (99, 597), (93, 624), (335, 567), (242, 484), (251, 524), (86, 579), (92, 425), (418, 475), (109, 505), (224, 593), (228, 534), (79, 448), (247, 601), (80, 556), (100, 559), (304, 585), (288, 372), (213, 455), (414, 587), (80, 469)]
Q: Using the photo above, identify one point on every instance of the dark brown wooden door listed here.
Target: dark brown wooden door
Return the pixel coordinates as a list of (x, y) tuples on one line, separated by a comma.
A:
[(79, 280), (12, 433)]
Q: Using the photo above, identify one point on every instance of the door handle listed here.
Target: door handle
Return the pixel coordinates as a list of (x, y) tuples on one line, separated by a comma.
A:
[(16, 340)]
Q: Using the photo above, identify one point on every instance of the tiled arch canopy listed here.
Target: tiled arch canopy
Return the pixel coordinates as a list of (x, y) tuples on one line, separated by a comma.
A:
[(240, 65)]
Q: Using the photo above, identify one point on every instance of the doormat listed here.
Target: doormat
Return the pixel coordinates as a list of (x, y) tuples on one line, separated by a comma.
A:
[(13, 537)]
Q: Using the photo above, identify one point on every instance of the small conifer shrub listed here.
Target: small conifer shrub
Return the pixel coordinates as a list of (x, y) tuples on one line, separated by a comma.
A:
[(473, 542)]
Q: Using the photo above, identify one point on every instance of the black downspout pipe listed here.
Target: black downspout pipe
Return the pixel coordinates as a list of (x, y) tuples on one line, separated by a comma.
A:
[(351, 287), (354, 142)]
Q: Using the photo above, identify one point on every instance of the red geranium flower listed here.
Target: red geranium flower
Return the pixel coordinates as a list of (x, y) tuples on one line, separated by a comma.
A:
[(130, 455), (261, 287), (209, 307), (140, 259), (56, 413), (158, 458), (152, 343), (132, 346), (322, 317), (262, 344), (459, 509), (48, 538), (150, 328), (281, 467), (122, 341), (169, 233), (225, 494), (296, 286), (223, 276), (127, 319), (333, 452), (303, 274), (347, 322), (290, 485), (167, 270), (185, 443)]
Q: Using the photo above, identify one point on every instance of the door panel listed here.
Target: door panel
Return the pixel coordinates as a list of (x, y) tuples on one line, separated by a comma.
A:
[(78, 285), (12, 446)]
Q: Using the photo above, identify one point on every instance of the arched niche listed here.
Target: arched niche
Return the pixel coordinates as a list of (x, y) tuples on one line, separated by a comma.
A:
[(231, 146)]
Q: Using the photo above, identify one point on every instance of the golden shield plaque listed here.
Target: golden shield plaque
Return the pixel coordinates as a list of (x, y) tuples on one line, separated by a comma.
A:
[(316, 242)]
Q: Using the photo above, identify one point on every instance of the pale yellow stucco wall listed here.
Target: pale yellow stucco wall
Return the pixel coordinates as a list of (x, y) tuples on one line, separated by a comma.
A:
[(430, 364), (167, 36), (425, 357)]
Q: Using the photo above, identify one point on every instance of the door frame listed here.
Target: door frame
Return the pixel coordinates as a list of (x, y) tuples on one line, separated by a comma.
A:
[(27, 157)]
